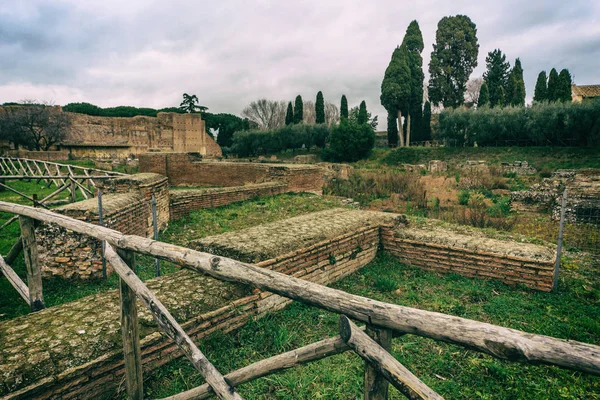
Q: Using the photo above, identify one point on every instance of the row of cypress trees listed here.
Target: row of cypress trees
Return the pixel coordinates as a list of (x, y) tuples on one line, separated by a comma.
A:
[(502, 86), (554, 87), (295, 113)]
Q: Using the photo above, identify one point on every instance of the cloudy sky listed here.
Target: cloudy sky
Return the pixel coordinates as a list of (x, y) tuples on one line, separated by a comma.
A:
[(147, 53)]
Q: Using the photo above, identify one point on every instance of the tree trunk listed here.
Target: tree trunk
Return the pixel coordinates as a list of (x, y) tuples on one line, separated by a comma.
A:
[(408, 132), (400, 130)]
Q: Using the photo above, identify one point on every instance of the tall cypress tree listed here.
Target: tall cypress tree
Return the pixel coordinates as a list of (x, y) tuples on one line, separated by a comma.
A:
[(427, 121), (344, 107), (392, 130), (289, 114), (564, 86), (496, 76), (541, 88), (298, 110), (517, 93), (395, 87), (484, 96), (363, 116), (552, 86), (320, 109), (413, 40)]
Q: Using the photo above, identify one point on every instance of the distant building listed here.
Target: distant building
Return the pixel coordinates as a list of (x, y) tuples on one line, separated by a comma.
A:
[(585, 92)]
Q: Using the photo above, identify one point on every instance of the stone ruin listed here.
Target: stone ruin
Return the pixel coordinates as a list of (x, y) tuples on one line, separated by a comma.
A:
[(520, 168), (583, 195)]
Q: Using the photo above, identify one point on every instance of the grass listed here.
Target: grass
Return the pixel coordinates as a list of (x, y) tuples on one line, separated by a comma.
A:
[(198, 224), (572, 313)]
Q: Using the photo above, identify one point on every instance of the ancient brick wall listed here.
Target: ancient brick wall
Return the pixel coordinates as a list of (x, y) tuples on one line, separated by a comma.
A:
[(183, 202), (126, 207), (483, 263), (40, 155), (186, 169)]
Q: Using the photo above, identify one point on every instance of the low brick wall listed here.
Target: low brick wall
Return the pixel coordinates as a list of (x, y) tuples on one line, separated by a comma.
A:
[(183, 202), (535, 271), (126, 208), (187, 169), (66, 363)]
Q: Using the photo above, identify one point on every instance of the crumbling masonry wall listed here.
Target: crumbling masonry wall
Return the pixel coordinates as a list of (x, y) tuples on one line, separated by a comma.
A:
[(126, 208)]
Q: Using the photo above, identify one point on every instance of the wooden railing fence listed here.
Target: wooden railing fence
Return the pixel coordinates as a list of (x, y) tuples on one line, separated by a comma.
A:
[(382, 319)]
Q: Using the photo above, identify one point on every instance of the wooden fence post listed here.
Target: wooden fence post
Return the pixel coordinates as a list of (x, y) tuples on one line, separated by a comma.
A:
[(376, 385), (155, 227), (73, 192), (34, 270), (130, 333), (559, 245)]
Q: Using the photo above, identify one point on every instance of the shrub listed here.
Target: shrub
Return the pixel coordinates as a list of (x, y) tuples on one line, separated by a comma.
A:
[(257, 142), (349, 141), (542, 124), (463, 197)]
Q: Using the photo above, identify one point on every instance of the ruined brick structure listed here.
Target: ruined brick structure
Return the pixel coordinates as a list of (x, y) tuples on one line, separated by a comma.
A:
[(126, 208), (115, 137), (188, 169)]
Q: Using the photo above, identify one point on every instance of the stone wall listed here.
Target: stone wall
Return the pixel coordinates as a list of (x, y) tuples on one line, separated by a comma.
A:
[(126, 208), (115, 137), (449, 252), (183, 202), (39, 155), (188, 170)]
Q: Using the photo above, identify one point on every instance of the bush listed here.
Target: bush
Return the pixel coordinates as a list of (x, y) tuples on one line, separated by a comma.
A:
[(349, 141), (542, 124), (257, 142), (463, 197)]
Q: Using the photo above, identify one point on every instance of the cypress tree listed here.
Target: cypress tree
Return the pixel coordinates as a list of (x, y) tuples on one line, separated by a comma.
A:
[(320, 108), (363, 117), (344, 107), (501, 101), (298, 110), (413, 41), (484, 96), (392, 130), (517, 95), (395, 87), (427, 121), (564, 86), (289, 115), (541, 88), (552, 94)]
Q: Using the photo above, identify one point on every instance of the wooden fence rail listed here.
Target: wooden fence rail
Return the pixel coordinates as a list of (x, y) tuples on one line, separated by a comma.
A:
[(498, 341)]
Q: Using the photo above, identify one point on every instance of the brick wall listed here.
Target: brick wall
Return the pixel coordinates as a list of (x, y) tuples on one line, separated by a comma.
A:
[(535, 274), (324, 262), (183, 202), (126, 208), (186, 169)]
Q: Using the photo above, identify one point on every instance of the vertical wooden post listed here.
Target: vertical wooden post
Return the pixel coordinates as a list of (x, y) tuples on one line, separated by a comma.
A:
[(130, 333), (73, 191), (35, 199), (559, 246), (376, 386), (155, 226), (101, 223), (34, 270)]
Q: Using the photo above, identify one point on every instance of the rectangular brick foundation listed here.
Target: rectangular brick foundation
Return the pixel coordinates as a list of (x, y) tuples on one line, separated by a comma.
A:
[(470, 263), (183, 202)]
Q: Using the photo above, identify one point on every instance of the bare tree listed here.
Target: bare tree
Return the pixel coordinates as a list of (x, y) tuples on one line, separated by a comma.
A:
[(332, 113), (309, 115), (267, 114), (473, 88), (33, 125)]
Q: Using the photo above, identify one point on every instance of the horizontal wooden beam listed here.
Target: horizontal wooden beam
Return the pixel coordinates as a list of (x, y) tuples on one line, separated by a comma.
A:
[(500, 342), (397, 374), (170, 327)]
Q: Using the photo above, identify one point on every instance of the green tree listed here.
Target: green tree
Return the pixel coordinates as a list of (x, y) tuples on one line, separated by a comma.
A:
[(552, 93), (395, 87), (354, 114), (541, 88), (564, 86), (190, 104), (427, 121), (413, 40), (496, 75), (320, 109), (484, 96), (362, 113), (392, 130), (344, 107), (516, 86), (289, 115), (349, 141), (501, 100), (453, 59), (298, 110), (226, 125)]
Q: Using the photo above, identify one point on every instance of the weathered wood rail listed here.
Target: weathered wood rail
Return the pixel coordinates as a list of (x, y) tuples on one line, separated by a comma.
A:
[(497, 341)]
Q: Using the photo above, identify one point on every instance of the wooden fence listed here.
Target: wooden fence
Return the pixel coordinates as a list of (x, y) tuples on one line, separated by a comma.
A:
[(383, 320)]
